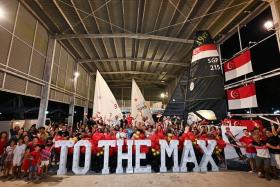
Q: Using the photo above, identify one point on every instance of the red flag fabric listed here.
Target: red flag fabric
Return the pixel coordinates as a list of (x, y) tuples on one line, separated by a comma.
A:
[(238, 66), (242, 97), (250, 124)]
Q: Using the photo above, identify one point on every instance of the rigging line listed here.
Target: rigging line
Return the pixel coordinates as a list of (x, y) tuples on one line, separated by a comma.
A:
[(202, 16), (92, 13), (97, 18), (186, 18), (247, 48)]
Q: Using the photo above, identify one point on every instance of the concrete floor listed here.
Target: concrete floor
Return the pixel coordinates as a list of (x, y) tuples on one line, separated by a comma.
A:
[(215, 179)]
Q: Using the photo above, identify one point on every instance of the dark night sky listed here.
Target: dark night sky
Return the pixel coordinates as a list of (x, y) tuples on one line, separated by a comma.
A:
[(265, 57)]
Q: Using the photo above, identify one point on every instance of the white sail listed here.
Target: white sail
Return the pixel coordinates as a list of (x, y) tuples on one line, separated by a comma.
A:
[(138, 105), (104, 104)]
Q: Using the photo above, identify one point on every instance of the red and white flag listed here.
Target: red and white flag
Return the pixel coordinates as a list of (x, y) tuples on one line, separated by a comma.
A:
[(243, 97), (204, 51), (250, 124), (238, 66)]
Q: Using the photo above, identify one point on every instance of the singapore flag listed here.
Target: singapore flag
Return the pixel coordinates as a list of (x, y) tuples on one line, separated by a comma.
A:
[(243, 97), (238, 66)]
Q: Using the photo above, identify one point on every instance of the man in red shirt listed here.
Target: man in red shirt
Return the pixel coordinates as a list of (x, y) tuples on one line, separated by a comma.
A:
[(247, 141), (129, 119), (36, 156)]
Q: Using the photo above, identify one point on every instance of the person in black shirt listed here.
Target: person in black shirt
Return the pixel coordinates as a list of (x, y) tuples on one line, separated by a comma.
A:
[(90, 122), (273, 144), (64, 132), (123, 122), (262, 158), (14, 129)]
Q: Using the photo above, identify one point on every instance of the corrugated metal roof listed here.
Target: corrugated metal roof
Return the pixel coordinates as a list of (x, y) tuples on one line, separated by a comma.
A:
[(148, 40)]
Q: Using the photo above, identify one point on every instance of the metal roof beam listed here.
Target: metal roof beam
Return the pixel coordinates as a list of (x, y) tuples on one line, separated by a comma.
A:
[(123, 35), (244, 21), (138, 81), (131, 73), (238, 13), (134, 60)]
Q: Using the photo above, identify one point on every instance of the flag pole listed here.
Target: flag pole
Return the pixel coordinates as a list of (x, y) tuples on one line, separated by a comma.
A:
[(247, 48), (255, 78)]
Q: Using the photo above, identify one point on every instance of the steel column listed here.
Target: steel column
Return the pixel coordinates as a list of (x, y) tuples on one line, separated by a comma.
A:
[(73, 98), (47, 77)]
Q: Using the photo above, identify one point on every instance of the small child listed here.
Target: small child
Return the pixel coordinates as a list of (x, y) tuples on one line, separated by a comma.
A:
[(45, 156), (34, 165), (17, 159), (26, 162), (9, 154)]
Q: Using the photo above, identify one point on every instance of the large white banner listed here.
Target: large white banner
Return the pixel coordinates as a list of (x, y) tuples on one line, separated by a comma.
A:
[(231, 135)]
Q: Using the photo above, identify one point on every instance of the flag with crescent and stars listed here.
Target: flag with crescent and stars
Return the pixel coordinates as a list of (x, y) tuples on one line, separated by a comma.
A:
[(242, 97), (238, 66)]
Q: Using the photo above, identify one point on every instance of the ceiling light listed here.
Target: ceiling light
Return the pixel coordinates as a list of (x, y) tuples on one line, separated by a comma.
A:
[(268, 25), (76, 74), (2, 13)]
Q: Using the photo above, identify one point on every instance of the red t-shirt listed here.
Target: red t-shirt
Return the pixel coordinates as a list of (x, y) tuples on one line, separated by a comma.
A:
[(129, 120), (2, 146), (248, 141), (36, 157)]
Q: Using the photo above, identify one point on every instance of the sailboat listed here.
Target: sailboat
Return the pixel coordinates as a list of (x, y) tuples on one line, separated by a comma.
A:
[(205, 89), (138, 105), (104, 104)]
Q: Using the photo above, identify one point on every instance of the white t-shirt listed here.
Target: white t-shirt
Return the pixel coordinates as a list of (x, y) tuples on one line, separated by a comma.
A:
[(18, 154), (264, 153), (121, 135)]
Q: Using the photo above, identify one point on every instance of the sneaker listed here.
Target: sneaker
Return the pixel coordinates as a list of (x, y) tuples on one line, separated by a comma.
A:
[(260, 175), (251, 171)]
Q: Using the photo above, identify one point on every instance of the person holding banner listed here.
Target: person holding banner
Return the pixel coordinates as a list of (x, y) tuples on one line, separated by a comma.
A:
[(233, 142), (247, 141)]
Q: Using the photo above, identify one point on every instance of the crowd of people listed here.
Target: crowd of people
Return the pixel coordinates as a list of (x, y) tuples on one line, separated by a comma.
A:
[(29, 153), (262, 150)]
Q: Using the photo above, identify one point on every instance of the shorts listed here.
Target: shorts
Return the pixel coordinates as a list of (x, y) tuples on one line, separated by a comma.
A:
[(251, 155), (17, 162), (275, 160), (261, 161), (44, 163), (32, 169)]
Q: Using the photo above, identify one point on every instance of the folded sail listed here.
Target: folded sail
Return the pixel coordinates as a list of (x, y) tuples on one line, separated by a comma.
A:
[(138, 105), (205, 83), (104, 104)]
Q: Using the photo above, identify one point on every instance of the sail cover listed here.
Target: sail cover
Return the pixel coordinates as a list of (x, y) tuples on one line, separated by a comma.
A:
[(205, 85), (176, 104), (104, 104), (138, 105)]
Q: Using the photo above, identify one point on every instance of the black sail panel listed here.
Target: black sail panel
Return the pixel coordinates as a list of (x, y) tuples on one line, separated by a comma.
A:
[(176, 104), (205, 90)]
